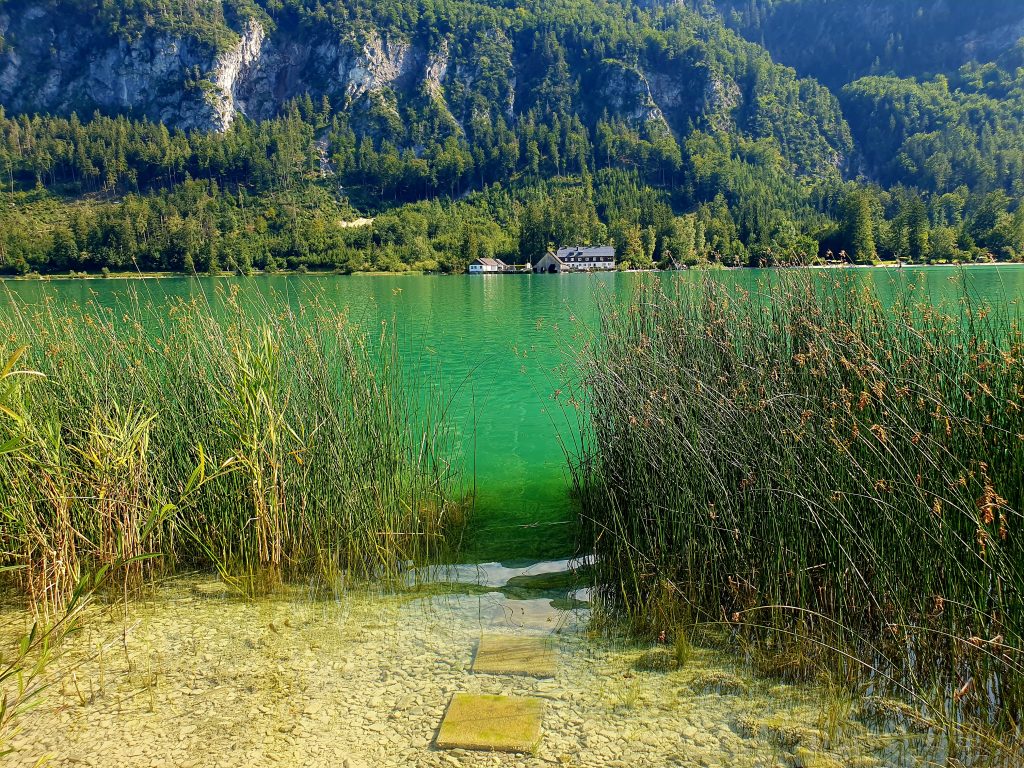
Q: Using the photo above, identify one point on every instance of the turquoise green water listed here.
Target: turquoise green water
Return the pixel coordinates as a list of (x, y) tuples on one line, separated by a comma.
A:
[(501, 344)]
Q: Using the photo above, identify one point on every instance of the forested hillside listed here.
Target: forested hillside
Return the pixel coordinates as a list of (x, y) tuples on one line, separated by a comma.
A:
[(246, 134)]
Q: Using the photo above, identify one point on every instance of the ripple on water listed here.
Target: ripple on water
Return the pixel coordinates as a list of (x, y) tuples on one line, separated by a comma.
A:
[(194, 677)]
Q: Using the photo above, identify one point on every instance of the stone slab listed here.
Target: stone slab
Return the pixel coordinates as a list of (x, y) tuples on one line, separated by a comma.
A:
[(514, 655), (493, 723)]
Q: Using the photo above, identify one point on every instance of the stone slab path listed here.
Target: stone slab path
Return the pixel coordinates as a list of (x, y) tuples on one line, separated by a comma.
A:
[(492, 723), (512, 655), (499, 723)]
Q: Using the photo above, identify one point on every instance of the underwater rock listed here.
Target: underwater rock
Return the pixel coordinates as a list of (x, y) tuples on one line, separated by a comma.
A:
[(209, 589), (512, 655), (864, 761), (498, 723)]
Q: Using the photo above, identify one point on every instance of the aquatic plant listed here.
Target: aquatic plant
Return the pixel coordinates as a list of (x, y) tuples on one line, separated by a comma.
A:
[(26, 655), (262, 439), (833, 478)]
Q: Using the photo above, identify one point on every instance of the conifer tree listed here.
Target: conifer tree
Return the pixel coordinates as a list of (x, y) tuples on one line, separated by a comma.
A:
[(860, 227)]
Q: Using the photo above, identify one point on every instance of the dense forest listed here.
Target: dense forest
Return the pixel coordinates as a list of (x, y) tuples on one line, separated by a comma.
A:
[(419, 135)]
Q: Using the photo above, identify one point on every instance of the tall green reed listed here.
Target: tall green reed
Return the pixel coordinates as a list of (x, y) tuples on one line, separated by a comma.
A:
[(835, 480), (264, 440), (23, 663)]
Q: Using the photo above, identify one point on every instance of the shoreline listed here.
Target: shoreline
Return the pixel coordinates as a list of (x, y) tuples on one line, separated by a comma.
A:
[(411, 273)]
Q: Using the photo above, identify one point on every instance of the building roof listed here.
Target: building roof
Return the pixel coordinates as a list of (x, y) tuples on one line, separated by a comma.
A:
[(598, 252), (489, 262)]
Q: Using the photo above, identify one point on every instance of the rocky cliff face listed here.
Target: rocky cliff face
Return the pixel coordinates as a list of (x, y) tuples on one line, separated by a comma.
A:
[(291, 64), (53, 63), (627, 94), (49, 65), (56, 59), (56, 64), (232, 73)]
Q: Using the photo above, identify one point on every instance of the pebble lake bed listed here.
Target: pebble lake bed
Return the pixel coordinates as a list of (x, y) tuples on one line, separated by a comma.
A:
[(191, 675)]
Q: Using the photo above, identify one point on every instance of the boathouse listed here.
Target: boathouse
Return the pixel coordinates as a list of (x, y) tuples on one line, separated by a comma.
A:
[(577, 258), (488, 266)]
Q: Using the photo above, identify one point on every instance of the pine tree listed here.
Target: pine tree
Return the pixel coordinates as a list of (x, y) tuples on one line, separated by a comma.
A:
[(860, 227), (64, 250), (917, 230), (632, 248)]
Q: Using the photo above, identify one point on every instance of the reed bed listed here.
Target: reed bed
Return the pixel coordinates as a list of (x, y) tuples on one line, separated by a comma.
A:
[(834, 481), (264, 441)]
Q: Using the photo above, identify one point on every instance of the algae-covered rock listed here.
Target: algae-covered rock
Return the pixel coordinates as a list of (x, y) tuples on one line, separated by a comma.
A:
[(209, 589), (656, 660), (864, 761), (717, 681), (809, 758), (443, 589), (514, 655), (555, 581), (883, 709), (778, 731), (492, 723)]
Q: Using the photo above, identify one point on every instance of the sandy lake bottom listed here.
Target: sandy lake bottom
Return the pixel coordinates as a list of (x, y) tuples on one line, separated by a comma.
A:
[(192, 676)]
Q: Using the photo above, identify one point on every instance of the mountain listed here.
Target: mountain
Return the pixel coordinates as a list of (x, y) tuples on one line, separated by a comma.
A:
[(242, 134), (838, 41), (932, 90), (389, 66)]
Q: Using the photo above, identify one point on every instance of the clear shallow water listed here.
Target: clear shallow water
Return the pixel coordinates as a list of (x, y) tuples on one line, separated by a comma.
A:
[(192, 676), (500, 343)]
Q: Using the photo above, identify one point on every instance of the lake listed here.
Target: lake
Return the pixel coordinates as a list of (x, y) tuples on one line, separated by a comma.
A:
[(191, 674), (500, 344)]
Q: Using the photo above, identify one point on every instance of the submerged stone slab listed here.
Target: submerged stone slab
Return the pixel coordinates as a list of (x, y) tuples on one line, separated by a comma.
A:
[(512, 655), (497, 723), (209, 589), (537, 616)]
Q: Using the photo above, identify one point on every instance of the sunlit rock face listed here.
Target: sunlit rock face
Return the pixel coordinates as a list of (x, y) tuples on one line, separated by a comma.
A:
[(59, 63)]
